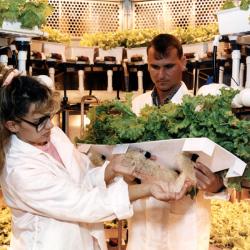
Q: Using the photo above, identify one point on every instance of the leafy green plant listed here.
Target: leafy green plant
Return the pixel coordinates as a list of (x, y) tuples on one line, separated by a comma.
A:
[(196, 34), (29, 13), (113, 122), (229, 4), (55, 35), (128, 38), (244, 4), (200, 116), (141, 37)]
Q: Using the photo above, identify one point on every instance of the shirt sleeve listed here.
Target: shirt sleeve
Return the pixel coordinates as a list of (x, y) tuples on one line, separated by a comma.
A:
[(223, 195), (94, 176)]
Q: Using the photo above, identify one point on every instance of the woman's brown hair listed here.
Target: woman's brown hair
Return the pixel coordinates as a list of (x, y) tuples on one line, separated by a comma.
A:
[(15, 101)]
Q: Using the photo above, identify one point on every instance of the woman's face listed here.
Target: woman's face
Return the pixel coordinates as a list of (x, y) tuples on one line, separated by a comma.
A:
[(37, 133)]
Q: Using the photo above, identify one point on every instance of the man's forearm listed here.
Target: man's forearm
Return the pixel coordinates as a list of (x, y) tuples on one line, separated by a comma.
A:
[(138, 191)]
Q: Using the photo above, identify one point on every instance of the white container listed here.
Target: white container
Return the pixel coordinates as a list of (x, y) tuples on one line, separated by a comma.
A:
[(73, 51), (11, 25), (117, 52), (233, 21), (15, 29), (199, 49), (141, 51), (51, 47)]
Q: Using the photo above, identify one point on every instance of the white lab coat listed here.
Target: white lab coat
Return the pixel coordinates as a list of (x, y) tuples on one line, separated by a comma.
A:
[(55, 206), (145, 99), (176, 225)]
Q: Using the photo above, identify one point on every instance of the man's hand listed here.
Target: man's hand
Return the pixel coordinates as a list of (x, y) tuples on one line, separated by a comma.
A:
[(206, 179), (164, 191)]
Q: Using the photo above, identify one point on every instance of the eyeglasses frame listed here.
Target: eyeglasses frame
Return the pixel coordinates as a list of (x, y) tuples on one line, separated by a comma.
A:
[(41, 120)]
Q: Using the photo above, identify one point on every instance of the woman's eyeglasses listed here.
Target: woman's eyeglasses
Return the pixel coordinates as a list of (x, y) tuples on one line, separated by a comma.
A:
[(40, 125)]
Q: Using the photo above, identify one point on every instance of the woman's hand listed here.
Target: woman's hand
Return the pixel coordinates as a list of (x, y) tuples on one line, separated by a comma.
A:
[(115, 167), (206, 179)]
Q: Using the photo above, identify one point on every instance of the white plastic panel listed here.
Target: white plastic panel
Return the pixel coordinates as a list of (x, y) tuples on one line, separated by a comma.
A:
[(169, 14), (79, 16)]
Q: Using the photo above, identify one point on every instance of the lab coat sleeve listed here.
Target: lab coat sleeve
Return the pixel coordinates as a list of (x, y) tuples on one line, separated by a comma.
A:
[(39, 191), (141, 101), (94, 175)]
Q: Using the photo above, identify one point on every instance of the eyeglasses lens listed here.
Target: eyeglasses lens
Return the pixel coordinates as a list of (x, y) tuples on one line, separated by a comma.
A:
[(42, 125)]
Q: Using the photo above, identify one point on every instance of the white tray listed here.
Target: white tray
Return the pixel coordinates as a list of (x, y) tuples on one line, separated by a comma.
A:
[(210, 154)]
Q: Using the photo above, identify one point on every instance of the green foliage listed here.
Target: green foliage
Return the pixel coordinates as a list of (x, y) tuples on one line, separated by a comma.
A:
[(127, 38), (10, 10), (209, 116), (35, 13), (112, 123), (196, 34), (141, 37), (55, 35), (200, 116), (29, 13), (244, 4), (228, 4)]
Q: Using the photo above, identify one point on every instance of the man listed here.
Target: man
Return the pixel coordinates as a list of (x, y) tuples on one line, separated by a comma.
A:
[(175, 225), (165, 64)]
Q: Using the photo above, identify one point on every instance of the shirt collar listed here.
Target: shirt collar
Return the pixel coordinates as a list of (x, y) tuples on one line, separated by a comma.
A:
[(172, 92)]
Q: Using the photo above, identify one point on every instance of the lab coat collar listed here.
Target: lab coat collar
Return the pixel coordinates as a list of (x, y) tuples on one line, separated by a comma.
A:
[(177, 98), (57, 137), (22, 146), (171, 94)]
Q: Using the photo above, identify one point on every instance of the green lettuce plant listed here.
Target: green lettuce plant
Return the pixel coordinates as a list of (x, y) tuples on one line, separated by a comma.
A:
[(29, 13), (229, 4), (244, 5), (141, 37), (200, 116)]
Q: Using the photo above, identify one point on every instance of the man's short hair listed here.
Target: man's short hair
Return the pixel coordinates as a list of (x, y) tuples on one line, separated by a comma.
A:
[(163, 42)]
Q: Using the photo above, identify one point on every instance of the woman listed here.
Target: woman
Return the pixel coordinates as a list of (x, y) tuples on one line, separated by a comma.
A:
[(57, 199)]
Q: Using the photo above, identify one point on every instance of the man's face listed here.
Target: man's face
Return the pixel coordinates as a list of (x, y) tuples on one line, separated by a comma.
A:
[(165, 72)]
